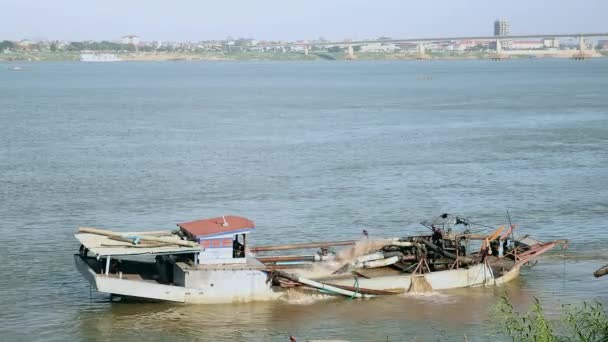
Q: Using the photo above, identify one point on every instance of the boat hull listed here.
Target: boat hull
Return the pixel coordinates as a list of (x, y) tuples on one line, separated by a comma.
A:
[(477, 275), (199, 286), (226, 285)]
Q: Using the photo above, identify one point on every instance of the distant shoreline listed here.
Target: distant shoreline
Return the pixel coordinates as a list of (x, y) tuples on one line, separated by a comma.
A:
[(290, 56)]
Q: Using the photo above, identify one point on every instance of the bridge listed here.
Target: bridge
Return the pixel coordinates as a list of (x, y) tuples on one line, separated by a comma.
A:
[(421, 42)]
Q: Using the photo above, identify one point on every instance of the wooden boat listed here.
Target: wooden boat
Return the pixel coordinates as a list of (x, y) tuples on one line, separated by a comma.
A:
[(208, 261)]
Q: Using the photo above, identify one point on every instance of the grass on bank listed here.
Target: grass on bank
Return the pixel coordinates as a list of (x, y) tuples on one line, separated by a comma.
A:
[(586, 323)]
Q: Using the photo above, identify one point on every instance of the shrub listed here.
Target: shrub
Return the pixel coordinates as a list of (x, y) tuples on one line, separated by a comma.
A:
[(587, 323)]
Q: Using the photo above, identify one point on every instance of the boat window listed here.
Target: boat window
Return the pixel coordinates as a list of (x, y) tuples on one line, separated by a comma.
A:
[(238, 246)]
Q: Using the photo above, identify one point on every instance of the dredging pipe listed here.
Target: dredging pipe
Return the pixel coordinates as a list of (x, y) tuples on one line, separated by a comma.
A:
[(443, 252), (322, 286)]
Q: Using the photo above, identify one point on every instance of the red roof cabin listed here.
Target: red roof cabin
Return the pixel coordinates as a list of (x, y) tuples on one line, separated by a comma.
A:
[(223, 238)]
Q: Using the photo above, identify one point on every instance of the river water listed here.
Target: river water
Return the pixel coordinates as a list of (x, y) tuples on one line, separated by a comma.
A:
[(310, 151)]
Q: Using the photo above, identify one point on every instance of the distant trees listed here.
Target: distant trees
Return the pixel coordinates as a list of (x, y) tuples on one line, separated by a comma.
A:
[(7, 45), (99, 46)]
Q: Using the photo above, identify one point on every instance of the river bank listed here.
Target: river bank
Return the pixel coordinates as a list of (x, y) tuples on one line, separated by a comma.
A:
[(38, 56)]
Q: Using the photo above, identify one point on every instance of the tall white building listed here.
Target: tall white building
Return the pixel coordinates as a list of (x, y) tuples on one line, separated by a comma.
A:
[(502, 28)]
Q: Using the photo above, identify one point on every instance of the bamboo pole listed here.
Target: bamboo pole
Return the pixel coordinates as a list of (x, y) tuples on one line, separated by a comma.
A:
[(280, 258), (302, 246), (110, 233)]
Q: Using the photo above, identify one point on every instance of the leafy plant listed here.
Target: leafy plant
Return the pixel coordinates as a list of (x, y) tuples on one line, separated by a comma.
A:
[(586, 323), (530, 326)]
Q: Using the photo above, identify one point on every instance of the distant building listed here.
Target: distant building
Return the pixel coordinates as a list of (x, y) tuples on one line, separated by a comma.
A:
[(378, 47), (551, 43), (26, 43), (130, 39), (407, 46), (602, 44), (527, 44), (468, 45), (502, 28)]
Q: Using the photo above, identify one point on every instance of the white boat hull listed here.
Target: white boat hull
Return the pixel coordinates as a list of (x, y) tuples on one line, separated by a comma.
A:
[(226, 285), (212, 287), (477, 275)]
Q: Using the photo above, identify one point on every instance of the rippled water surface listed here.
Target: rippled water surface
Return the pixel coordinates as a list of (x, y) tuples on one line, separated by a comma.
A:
[(310, 151)]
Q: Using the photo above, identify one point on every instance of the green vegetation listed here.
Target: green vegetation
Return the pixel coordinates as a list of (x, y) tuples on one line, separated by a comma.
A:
[(266, 56), (586, 323)]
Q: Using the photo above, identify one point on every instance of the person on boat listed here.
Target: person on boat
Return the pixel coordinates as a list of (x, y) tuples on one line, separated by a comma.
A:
[(500, 248), (437, 235), (494, 247), (485, 250)]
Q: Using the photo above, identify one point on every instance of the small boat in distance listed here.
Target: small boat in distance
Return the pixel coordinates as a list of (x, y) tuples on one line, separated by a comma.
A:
[(15, 68), (207, 261), (99, 57)]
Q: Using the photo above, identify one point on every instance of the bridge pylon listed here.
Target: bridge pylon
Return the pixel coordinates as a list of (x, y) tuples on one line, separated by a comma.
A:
[(581, 55), (350, 53), (421, 52), (499, 55)]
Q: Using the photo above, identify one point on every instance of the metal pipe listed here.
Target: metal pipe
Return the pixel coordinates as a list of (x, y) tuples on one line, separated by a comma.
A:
[(369, 257), (108, 265), (381, 262), (400, 243), (322, 286)]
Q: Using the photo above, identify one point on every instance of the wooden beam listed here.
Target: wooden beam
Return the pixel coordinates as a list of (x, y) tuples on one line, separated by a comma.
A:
[(280, 258), (302, 246)]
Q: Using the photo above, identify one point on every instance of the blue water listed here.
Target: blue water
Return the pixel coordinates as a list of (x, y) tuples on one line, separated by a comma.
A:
[(310, 151)]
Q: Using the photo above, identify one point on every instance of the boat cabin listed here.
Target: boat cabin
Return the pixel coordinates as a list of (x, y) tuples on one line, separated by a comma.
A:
[(222, 239)]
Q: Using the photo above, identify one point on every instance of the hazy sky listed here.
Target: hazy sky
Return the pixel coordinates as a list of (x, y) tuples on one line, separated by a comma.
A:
[(291, 19)]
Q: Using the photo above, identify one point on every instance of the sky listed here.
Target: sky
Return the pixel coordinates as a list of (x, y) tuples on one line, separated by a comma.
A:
[(195, 20)]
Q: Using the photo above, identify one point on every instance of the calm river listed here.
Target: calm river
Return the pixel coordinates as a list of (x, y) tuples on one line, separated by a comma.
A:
[(309, 151)]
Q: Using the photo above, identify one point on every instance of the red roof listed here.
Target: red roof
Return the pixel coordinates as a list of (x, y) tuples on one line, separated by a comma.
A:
[(217, 226)]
